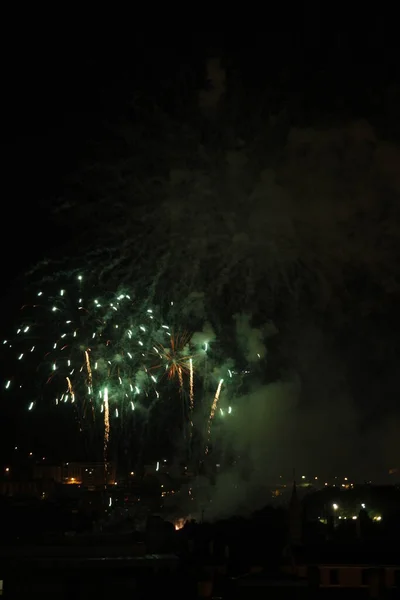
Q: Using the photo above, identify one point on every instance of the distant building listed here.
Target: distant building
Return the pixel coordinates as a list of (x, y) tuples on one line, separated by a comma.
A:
[(348, 566), (19, 488), (49, 472), (263, 583), (91, 475)]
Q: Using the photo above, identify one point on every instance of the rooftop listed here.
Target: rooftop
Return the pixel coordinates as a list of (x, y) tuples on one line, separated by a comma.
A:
[(358, 553)]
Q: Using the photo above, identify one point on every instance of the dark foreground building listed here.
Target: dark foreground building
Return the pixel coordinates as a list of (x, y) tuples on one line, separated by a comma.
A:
[(87, 573)]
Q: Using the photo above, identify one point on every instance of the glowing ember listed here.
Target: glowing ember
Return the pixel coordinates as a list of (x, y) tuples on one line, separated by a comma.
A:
[(179, 523)]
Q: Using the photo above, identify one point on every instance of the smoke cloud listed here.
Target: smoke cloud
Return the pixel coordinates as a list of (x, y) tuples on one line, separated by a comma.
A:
[(307, 422), (205, 336), (272, 434), (250, 340)]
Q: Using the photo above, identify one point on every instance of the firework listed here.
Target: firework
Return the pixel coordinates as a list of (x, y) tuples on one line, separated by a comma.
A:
[(100, 354), (108, 356), (176, 356)]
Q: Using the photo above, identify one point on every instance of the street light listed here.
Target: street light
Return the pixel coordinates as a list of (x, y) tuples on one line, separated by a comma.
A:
[(335, 506)]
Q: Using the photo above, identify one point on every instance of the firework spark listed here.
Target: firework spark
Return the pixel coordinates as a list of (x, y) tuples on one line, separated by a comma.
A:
[(106, 422), (191, 394), (212, 412), (175, 356)]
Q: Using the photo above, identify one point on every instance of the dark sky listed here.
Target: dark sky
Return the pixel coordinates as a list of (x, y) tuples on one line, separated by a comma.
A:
[(57, 103), (62, 112)]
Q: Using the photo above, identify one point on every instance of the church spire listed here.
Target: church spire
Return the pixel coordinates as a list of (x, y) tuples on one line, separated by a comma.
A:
[(295, 516)]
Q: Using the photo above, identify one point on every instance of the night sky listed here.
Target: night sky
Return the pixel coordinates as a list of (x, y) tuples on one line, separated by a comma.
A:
[(264, 176)]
